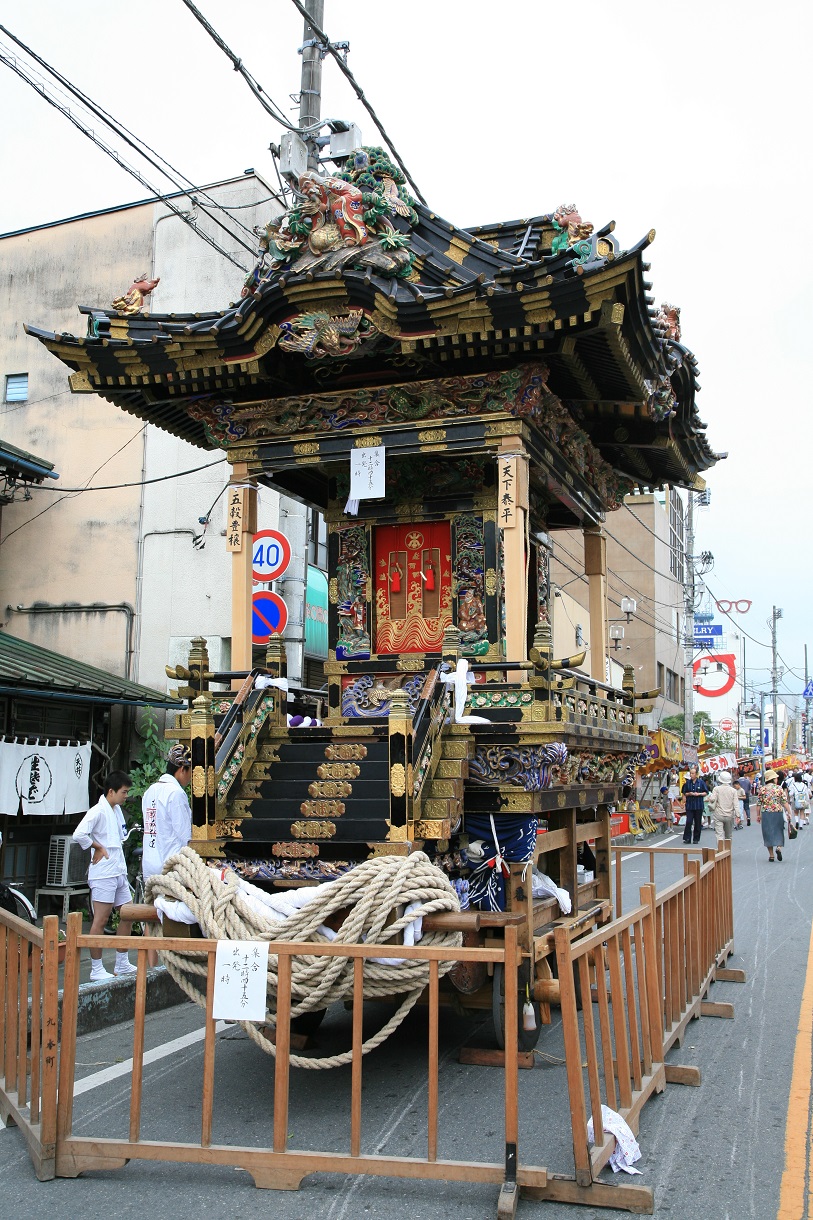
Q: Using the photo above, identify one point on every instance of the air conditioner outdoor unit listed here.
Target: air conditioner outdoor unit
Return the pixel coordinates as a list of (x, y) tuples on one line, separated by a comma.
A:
[(67, 862)]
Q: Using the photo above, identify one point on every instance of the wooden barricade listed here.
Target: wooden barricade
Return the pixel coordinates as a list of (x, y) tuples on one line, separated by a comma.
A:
[(29, 985), (619, 1037), (688, 853), (694, 936), (280, 1167)]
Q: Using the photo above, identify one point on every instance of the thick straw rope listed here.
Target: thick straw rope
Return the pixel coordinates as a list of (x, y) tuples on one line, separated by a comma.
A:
[(369, 894)]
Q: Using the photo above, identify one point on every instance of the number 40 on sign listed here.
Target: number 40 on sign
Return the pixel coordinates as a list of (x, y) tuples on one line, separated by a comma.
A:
[(270, 555)]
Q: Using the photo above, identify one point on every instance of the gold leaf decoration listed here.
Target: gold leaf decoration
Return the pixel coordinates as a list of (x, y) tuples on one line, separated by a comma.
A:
[(295, 851), (338, 770), (397, 779), (354, 750), (313, 830), (322, 809), (329, 788), (426, 829)]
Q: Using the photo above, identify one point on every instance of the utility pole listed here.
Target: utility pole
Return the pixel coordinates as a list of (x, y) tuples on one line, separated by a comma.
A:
[(295, 515), (806, 726), (689, 592), (310, 94), (775, 614)]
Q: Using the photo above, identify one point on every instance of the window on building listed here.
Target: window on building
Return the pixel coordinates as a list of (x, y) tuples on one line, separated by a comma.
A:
[(677, 551), (672, 691), (317, 539), (17, 387), (661, 687)]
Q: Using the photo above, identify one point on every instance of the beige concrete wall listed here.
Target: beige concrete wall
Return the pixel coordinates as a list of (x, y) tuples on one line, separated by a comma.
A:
[(82, 549), (121, 546)]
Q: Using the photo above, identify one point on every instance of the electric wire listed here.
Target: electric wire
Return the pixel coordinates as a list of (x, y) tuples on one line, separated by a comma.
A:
[(178, 179), (265, 100), (359, 92), (163, 478), (612, 580), (34, 402), (70, 493), (65, 110)]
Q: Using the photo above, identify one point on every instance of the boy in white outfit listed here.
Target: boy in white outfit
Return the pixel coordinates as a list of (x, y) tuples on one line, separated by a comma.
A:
[(103, 829)]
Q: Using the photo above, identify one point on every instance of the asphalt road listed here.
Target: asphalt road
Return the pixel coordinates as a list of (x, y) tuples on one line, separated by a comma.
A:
[(711, 1153)]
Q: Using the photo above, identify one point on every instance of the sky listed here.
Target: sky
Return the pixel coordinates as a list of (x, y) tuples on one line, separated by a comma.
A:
[(690, 119)]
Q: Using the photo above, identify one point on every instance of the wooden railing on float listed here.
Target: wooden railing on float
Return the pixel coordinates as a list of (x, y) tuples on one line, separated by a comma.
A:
[(29, 1022)]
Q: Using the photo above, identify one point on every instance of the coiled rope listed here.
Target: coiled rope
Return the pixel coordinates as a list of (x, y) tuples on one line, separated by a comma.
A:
[(369, 895)]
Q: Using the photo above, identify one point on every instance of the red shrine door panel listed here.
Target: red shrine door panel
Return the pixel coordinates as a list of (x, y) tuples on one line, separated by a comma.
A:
[(413, 586)]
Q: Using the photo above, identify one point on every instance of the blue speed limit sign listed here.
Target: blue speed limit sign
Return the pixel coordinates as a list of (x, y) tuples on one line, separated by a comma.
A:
[(270, 555)]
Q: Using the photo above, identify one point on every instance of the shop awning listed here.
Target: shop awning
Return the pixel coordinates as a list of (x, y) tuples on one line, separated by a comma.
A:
[(30, 671)]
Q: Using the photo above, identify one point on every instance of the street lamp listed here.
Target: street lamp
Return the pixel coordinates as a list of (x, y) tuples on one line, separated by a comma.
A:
[(616, 635)]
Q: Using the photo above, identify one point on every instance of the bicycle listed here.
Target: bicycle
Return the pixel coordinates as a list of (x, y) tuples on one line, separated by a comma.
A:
[(15, 902)]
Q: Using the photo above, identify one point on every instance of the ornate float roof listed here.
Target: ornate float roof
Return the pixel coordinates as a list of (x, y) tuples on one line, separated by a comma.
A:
[(358, 287)]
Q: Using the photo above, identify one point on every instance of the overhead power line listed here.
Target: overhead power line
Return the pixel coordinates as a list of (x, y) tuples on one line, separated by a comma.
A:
[(359, 92), (70, 493), (10, 60), (178, 179), (139, 482), (267, 102)]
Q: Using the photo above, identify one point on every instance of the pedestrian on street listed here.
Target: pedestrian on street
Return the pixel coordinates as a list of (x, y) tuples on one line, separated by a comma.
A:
[(103, 830), (724, 804), (773, 811), (799, 800), (745, 784), (694, 791), (167, 818)]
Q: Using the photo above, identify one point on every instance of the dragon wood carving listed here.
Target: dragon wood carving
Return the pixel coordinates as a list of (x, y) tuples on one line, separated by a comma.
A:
[(528, 767)]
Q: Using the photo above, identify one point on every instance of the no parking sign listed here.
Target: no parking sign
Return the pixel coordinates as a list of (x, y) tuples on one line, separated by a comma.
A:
[(269, 616)]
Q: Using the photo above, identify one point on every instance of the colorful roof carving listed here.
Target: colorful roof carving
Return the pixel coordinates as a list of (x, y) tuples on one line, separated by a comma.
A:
[(359, 287)]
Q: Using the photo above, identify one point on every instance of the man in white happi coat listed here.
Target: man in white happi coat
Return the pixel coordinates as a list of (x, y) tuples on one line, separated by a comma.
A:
[(167, 818)]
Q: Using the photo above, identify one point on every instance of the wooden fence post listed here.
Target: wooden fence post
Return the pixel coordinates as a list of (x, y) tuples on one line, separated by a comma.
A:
[(573, 1057)]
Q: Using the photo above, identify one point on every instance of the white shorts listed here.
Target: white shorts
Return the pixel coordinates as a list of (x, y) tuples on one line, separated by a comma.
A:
[(111, 889)]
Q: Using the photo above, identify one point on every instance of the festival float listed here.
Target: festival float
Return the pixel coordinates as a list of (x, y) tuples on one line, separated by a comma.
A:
[(449, 399)]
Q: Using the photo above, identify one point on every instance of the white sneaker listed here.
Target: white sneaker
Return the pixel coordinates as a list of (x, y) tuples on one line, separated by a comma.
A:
[(125, 967), (100, 975)]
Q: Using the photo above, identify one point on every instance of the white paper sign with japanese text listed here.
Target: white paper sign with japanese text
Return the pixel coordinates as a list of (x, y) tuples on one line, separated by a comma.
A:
[(367, 474), (240, 980)]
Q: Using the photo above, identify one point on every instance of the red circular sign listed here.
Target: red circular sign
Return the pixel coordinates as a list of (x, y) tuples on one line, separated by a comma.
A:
[(726, 725), (724, 662), (269, 616), (270, 555)]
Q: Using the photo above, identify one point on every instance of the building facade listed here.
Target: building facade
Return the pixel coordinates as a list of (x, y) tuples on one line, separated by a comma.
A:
[(123, 578), (646, 561)]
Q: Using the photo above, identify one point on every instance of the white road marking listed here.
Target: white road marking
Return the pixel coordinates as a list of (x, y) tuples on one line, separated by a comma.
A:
[(125, 1068), (663, 842)]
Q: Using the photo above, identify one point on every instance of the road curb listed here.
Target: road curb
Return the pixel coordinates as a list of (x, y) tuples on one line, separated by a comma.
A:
[(109, 1003)]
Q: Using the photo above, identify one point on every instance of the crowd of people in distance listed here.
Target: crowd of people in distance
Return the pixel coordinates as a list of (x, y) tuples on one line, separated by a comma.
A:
[(724, 802)]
